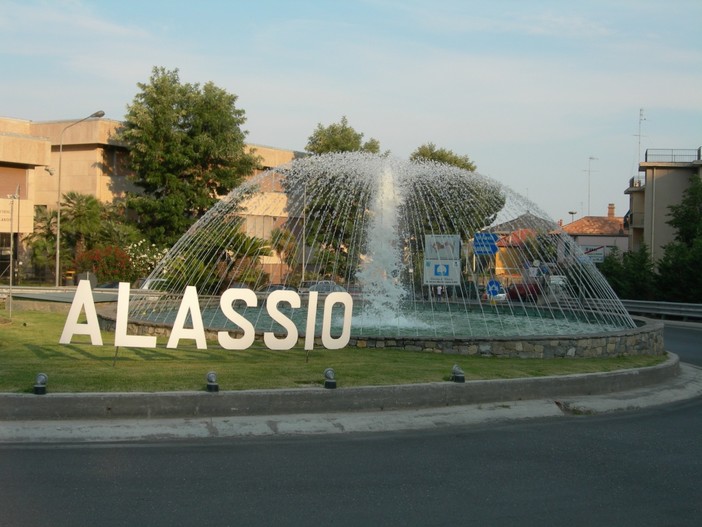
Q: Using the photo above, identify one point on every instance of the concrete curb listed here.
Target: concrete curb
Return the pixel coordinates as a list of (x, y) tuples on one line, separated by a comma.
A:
[(59, 406), (686, 385)]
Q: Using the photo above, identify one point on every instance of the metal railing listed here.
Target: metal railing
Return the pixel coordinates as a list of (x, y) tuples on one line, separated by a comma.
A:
[(664, 309), (678, 310), (673, 155)]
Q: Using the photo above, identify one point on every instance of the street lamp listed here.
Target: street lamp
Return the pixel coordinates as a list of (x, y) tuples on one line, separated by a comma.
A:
[(97, 114), (12, 198), (589, 162), (572, 215)]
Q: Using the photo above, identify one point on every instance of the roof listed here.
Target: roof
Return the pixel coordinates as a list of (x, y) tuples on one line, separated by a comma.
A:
[(525, 221), (516, 238), (597, 226)]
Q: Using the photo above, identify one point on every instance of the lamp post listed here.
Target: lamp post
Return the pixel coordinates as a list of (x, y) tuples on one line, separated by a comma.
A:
[(97, 114), (12, 198), (589, 162)]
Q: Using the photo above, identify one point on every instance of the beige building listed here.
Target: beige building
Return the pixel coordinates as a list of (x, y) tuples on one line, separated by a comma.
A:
[(41, 160), (665, 176)]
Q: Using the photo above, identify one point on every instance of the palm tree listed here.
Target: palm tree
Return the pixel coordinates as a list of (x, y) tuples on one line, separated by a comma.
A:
[(82, 217), (42, 241), (284, 243)]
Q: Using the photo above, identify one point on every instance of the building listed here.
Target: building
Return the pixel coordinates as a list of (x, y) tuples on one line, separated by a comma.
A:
[(597, 236), (41, 161), (665, 177)]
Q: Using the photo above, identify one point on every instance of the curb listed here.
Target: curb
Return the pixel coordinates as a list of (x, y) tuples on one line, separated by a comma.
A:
[(91, 406)]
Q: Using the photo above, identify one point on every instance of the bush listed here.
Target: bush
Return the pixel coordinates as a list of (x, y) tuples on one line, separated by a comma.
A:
[(109, 264)]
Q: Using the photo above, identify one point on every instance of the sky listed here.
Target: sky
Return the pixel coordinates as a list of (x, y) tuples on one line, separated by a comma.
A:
[(556, 100)]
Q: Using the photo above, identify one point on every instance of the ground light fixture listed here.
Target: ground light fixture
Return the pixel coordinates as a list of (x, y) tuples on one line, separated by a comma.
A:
[(40, 383), (457, 374), (329, 380), (212, 385)]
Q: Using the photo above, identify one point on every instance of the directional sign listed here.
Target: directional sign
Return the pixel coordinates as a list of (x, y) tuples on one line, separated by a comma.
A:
[(493, 288), (485, 243)]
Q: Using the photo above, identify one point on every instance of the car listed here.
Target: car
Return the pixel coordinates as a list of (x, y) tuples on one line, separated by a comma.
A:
[(327, 286), (108, 285), (497, 297), (355, 290), (151, 283), (524, 292), (305, 285)]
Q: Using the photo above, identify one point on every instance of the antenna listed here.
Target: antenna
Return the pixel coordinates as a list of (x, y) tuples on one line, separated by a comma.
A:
[(641, 119), (589, 171)]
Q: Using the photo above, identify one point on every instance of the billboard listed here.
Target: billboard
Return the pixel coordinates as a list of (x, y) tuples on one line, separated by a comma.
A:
[(442, 259), (442, 247)]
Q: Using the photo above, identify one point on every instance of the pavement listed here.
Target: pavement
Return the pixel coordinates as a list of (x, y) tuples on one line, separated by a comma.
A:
[(106, 418)]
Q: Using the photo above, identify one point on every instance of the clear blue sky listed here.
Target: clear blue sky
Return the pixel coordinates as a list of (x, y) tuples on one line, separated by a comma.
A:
[(529, 90)]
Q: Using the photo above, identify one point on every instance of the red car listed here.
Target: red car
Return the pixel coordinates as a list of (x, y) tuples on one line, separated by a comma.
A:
[(528, 292)]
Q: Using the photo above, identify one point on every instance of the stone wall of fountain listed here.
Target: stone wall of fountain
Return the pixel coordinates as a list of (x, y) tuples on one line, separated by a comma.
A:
[(644, 339)]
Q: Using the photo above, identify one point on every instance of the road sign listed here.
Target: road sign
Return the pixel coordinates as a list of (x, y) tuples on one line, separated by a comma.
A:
[(485, 243), (493, 288)]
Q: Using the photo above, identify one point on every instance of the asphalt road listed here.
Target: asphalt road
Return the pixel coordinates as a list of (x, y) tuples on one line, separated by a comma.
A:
[(640, 468), (685, 341)]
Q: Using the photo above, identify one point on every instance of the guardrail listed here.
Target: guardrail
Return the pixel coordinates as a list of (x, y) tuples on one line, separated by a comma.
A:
[(635, 307), (664, 309)]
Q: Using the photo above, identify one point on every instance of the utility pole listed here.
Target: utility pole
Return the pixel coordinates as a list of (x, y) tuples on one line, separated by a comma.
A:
[(12, 198), (589, 162), (641, 118)]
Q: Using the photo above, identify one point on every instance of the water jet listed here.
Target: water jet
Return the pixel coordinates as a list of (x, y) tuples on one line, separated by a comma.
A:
[(428, 252)]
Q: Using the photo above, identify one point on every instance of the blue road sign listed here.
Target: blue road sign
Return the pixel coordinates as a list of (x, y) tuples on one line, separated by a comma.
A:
[(485, 243), (493, 288)]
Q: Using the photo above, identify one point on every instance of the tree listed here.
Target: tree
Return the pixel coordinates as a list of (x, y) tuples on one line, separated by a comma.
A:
[(186, 148), (339, 137), (284, 243), (678, 279), (632, 275), (42, 241), (429, 152), (612, 268), (686, 217), (82, 221)]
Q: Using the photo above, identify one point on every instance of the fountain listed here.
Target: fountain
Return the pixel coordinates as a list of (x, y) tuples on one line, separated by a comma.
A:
[(430, 254)]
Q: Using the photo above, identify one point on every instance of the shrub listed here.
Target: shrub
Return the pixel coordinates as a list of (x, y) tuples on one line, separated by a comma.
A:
[(110, 264)]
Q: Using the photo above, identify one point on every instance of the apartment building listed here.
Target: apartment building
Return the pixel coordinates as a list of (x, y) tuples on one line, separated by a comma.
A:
[(664, 175)]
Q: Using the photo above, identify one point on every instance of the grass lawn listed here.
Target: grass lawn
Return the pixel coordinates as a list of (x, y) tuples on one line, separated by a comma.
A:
[(29, 344)]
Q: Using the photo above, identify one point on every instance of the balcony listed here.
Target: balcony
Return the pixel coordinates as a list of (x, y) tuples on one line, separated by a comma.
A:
[(636, 182), (636, 220)]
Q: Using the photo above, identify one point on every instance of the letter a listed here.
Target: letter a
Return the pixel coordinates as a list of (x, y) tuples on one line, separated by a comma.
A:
[(189, 305), (83, 299)]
